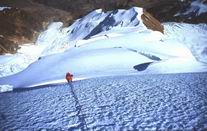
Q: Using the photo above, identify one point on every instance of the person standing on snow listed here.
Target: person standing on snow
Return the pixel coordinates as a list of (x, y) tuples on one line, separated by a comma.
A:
[(69, 77)]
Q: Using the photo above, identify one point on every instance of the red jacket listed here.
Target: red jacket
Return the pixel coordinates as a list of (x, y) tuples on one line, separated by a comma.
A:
[(69, 77)]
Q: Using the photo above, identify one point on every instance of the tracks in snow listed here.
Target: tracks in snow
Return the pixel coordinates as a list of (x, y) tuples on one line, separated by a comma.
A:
[(83, 125)]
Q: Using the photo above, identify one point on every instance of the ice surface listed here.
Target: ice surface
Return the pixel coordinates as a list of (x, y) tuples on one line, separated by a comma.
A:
[(11, 64), (147, 102), (133, 97)]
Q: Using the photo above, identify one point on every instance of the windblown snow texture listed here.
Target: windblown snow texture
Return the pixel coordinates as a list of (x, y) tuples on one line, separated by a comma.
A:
[(149, 102)]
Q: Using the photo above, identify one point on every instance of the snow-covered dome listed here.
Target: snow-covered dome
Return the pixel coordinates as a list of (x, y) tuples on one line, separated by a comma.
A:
[(99, 21)]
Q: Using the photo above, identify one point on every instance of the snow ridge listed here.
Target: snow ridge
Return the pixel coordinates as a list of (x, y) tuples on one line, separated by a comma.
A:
[(59, 39), (105, 44), (98, 21), (196, 8)]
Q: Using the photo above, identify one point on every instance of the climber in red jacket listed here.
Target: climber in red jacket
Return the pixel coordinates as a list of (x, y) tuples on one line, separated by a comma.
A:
[(69, 77)]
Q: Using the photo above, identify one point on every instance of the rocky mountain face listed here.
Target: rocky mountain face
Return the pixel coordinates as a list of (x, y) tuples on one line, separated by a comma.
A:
[(25, 19), (151, 22), (189, 11)]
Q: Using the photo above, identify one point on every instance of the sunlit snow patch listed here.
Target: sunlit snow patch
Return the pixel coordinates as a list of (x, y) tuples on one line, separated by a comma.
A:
[(14, 63), (3, 8), (5, 88), (192, 36)]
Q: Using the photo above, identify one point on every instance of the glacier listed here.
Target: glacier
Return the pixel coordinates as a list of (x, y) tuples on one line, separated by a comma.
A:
[(126, 77), (106, 44)]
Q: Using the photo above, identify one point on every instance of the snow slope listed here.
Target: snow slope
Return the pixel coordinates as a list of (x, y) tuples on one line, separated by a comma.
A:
[(57, 39), (148, 102), (196, 8), (92, 48), (192, 36)]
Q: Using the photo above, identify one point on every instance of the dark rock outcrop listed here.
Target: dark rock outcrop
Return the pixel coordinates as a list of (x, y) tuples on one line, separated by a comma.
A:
[(6, 46), (167, 10), (151, 22), (24, 21), (143, 66), (27, 18)]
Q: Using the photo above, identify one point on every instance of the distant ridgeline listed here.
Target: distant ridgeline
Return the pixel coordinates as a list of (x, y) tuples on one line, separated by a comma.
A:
[(23, 20), (11, 38)]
